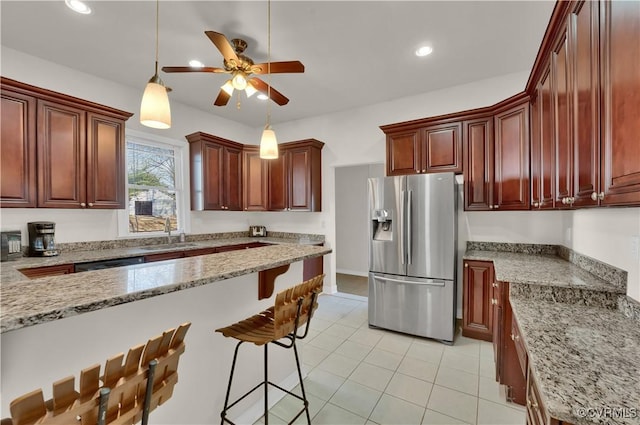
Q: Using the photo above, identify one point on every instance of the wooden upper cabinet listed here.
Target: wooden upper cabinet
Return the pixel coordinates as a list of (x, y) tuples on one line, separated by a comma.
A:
[(403, 153), (76, 146), (478, 164), (620, 57), (424, 147), (562, 96), (255, 180), (295, 178), (17, 149), (586, 103), (216, 173), (511, 149), (62, 173), (106, 185), (547, 156), (441, 148)]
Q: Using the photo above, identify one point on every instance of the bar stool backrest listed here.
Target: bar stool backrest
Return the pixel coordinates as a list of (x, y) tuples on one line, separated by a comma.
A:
[(286, 306)]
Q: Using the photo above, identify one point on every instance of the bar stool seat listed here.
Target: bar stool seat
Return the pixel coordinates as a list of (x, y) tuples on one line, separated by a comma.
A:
[(293, 308)]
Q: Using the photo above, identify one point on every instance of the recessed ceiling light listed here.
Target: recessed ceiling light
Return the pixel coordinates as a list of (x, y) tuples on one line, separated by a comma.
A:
[(424, 51), (78, 6), (263, 96), (195, 63)]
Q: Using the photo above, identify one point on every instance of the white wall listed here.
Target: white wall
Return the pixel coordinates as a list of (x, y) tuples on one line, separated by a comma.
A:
[(352, 227)]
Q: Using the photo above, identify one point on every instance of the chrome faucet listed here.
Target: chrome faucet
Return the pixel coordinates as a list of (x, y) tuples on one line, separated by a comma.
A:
[(167, 228)]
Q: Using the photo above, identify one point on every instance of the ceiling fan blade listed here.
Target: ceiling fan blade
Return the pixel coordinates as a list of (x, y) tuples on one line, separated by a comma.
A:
[(278, 67), (223, 45), (192, 69), (222, 99), (263, 87)]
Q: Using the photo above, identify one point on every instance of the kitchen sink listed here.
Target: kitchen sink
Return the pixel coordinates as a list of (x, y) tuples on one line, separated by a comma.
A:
[(167, 246)]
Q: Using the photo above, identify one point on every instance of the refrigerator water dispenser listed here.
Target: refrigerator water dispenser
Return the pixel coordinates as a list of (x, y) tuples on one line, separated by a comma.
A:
[(382, 225)]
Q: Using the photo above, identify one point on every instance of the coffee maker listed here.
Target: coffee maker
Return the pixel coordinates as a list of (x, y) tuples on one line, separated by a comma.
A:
[(41, 239)]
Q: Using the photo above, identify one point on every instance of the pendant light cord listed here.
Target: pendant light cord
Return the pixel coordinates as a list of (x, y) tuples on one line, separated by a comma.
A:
[(269, 62), (157, 33)]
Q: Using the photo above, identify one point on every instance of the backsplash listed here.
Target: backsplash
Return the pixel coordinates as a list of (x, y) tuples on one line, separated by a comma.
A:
[(604, 271)]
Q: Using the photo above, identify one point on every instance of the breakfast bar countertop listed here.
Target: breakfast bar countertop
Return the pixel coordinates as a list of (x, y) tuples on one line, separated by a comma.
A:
[(27, 302)]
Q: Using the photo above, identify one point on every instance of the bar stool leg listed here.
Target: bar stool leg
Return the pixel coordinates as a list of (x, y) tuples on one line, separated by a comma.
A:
[(266, 387), (223, 414), (304, 395)]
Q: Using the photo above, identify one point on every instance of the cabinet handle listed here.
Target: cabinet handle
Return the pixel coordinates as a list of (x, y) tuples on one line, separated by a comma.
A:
[(512, 338), (466, 265), (496, 206), (424, 171), (594, 196), (564, 201), (536, 205), (571, 200), (494, 284), (494, 301), (601, 196), (532, 404), (90, 204), (82, 204)]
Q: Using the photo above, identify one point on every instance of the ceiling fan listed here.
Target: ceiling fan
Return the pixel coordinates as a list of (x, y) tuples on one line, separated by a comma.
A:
[(241, 68)]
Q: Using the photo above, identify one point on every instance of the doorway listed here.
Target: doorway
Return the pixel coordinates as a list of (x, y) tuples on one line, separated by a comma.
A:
[(352, 233)]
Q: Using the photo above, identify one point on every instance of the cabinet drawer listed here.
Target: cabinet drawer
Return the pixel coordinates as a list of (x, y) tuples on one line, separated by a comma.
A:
[(520, 349), (163, 256)]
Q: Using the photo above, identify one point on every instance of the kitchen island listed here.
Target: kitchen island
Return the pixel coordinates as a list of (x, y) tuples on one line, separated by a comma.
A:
[(55, 326)]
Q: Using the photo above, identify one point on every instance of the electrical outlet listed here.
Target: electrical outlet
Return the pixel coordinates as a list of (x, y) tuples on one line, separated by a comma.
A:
[(635, 247)]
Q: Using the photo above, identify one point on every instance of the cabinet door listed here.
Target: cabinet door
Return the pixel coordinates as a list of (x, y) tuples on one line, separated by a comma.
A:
[(620, 32), (61, 156), (477, 314), (586, 110), (497, 334), (547, 142), (17, 150), (536, 162), (403, 154), (232, 180), (563, 134), (441, 148), (105, 162), (255, 181), (299, 179), (511, 188), (212, 176), (478, 164), (278, 186)]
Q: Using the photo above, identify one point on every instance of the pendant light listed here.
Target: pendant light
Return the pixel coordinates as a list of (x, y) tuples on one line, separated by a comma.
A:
[(155, 110), (268, 142)]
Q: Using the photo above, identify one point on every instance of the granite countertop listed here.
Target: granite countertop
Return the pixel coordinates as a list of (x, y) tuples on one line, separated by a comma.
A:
[(9, 271), (28, 302), (583, 359), (542, 270)]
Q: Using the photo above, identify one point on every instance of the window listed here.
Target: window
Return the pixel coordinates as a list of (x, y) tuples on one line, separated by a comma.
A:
[(153, 189)]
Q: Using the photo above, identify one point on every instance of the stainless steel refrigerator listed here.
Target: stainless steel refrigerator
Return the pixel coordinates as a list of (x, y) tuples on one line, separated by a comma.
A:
[(412, 254)]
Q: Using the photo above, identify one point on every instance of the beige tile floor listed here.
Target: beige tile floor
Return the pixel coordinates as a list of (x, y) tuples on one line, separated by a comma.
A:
[(358, 375)]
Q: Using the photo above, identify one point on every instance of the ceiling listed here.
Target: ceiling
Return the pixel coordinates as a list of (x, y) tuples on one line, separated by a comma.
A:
[(355, 53)]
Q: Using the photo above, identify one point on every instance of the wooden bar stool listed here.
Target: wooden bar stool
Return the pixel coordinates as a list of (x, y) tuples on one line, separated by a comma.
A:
[(293, 308)]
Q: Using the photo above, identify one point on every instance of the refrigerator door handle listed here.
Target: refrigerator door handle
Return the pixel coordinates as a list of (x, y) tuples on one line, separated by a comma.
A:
[(401, 229), (430, 282), (409, 218)]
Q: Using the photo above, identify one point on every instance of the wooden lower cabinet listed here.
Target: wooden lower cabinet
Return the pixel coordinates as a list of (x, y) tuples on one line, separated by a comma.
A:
[(163, 256), (477, 314), (200, 251), (511, 373), (57, 270)]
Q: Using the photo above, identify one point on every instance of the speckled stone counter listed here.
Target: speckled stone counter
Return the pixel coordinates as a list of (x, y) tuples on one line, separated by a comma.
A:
[(29, 302), (583, 359), (106, 250)]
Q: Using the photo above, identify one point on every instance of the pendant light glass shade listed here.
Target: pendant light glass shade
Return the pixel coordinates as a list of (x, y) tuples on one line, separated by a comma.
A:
[(155, 111), (268, 144), (228, 87)]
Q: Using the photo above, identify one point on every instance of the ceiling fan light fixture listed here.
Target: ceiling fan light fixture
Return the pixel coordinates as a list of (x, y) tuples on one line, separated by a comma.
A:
[(155, 111), (250, 90), (195, 63), (78, 6), (228, 87), (268, 143), (239, 81), (263, 96)]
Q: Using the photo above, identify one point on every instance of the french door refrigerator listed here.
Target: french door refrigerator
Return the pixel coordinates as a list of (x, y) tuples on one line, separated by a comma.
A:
[(412, 254)]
